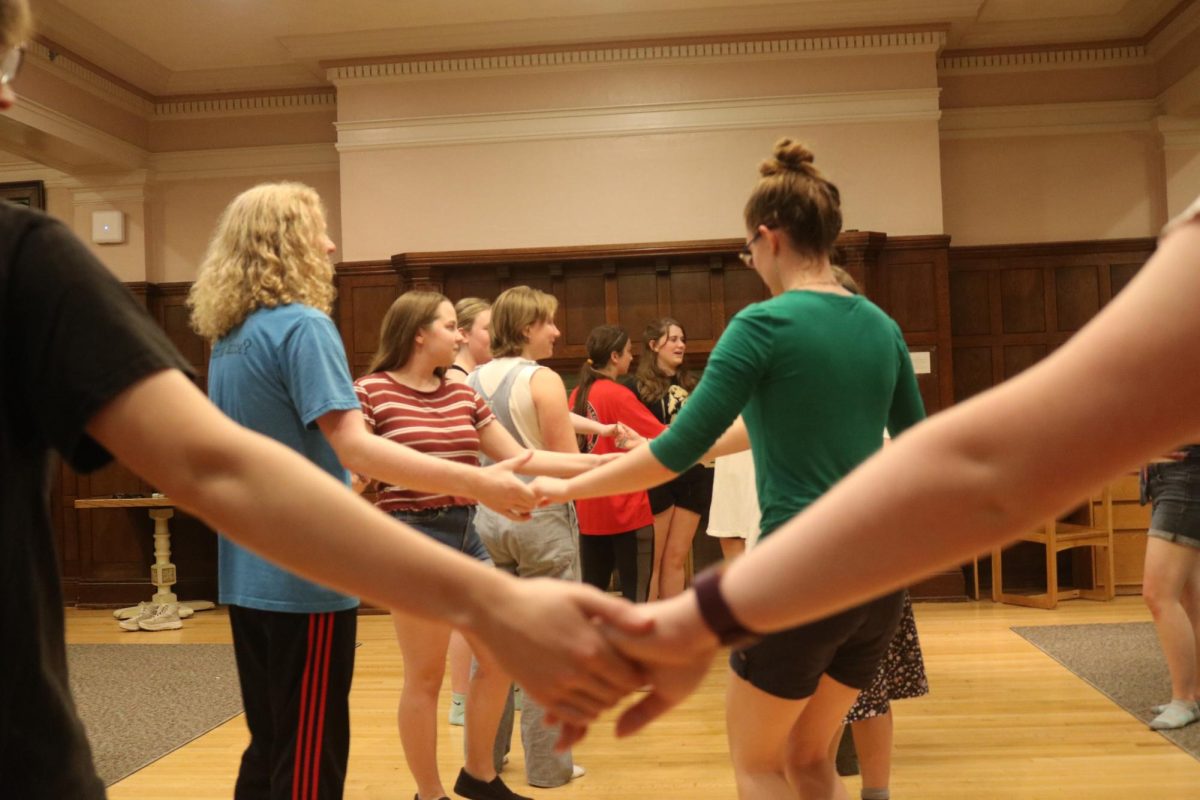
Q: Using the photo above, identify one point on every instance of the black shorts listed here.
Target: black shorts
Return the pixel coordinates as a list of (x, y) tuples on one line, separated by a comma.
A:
[(691, 490), (847, 647)]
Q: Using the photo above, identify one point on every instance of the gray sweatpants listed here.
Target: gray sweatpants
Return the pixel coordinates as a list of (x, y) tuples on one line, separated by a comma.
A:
[(546, 546)]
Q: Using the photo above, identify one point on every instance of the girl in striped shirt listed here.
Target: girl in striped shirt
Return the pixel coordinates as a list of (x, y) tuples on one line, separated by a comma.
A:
[(406, 399)]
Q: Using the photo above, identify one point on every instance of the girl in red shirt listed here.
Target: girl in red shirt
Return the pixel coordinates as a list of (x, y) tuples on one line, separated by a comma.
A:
[(611, 527)]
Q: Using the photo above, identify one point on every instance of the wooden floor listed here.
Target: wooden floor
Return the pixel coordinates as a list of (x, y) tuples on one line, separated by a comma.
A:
[(1003, 721)]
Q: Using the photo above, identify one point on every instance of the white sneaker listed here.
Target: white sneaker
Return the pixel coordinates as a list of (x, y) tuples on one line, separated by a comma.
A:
[(577, 771), (164, 618), (145, 612), (132, 611)]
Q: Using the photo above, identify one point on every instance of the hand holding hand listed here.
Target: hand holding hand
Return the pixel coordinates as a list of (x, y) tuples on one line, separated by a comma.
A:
[(675, 656), (545, 634), (548, 491), (627, 437), (502, 491)]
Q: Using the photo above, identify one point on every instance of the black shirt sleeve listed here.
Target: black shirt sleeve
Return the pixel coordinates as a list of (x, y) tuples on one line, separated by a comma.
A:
[(79, 339)]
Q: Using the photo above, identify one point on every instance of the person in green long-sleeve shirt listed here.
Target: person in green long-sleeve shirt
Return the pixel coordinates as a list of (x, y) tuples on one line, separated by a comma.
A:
[(816, 374)]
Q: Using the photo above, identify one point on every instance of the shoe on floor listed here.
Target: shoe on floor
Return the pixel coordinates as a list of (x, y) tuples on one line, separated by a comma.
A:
[(472, 788), (132, 611), (134, 623), (577, 772), (1177, 714), (458, 709), (164, 618)]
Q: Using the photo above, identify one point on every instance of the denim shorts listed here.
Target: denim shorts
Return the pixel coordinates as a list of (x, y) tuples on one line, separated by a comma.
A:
[(453, 526), (1174, 490)]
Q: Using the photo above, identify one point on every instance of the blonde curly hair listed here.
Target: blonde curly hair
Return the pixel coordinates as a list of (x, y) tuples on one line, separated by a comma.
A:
[(267, 251)]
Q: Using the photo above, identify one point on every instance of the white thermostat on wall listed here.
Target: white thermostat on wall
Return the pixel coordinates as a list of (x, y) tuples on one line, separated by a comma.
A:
[(108, 227)]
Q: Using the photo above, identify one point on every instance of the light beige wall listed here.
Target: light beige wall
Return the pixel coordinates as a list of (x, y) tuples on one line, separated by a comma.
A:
[(1182, 177), (665, 187), (185, 213), (46, 89), (676, 179), (242, 130), (1052, 188)]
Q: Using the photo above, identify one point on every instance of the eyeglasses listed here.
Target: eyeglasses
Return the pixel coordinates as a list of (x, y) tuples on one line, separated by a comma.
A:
[(10, 64), (745, 255)]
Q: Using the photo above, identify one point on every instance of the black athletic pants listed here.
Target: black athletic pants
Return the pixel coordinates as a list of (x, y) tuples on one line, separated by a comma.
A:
[(600, 553), (295, 672)]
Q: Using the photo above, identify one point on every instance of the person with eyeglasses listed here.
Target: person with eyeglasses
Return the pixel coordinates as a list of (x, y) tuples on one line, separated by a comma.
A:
[(816, 374), (86, 373)]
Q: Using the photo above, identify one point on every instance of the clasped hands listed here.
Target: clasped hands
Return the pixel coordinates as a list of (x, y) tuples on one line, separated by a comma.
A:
[(579, 651)]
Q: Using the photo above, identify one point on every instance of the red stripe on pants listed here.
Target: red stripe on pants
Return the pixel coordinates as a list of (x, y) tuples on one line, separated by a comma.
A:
[(328, 620)]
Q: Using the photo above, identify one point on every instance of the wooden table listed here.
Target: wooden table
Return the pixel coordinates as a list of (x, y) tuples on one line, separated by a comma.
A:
[(162, 571)]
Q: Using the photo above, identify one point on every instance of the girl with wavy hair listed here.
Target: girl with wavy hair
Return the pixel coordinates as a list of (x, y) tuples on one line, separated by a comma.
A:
[(663, 383)]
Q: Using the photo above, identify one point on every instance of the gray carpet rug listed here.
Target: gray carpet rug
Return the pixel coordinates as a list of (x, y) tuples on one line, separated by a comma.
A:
[(141, 701), (1123, 660)]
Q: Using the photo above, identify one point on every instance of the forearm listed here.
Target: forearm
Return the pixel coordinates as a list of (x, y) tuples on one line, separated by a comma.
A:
[(558, 465), (397, 465), (587, 427), (638, 469)]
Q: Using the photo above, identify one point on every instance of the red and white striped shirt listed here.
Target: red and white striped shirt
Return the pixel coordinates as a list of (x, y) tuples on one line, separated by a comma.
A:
[(444, 423)]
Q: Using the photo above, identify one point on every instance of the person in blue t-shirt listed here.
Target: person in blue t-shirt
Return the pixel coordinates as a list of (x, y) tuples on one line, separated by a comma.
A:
[(263, 297)]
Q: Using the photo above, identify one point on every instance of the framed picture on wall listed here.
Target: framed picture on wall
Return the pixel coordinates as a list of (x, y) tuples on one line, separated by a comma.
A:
[(25, 193)]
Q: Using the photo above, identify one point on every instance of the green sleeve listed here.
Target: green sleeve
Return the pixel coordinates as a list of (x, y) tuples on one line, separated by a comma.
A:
[(907, 407), (739, 360)]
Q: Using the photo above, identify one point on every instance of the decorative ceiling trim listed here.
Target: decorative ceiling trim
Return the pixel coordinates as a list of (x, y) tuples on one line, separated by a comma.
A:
[(63, 65), (452, 66), (188, 108), (965, 62), (849, 107), (1051, 119), (77, 72)]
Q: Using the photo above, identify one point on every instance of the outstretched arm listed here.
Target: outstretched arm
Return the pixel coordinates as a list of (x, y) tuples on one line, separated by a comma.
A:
[(255, 491)]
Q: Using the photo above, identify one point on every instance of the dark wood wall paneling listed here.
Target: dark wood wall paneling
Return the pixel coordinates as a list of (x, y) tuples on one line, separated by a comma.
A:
[(1010, 307), (105, 554)]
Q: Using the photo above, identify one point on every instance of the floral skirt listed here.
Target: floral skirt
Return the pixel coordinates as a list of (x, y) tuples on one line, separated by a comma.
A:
[(901, 674)]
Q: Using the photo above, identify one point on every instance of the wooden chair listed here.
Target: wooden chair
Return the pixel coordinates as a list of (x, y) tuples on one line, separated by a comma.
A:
[(1057, 536)]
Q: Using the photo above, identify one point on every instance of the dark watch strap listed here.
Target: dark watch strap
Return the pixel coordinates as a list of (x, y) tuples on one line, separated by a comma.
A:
[(717, 614)]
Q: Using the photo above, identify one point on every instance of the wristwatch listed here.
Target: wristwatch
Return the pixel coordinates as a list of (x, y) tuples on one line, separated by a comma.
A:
[(717, 614)]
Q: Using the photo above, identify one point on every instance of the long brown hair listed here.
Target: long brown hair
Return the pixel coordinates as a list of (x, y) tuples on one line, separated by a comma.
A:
[(793, 196), (410, 312), (602, 342), (652, 382)]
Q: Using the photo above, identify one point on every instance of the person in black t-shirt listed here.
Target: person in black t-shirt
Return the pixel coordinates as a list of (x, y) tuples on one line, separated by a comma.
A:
[(85, 372)]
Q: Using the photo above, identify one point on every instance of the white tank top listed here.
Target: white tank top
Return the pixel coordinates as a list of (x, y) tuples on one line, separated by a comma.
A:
[(520, 399)]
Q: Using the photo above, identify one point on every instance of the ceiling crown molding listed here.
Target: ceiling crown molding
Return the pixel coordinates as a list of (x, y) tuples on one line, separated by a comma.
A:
[(79, 73), (966, 62), (193, 108), (1050, 119), (841, 108), (458, 65)]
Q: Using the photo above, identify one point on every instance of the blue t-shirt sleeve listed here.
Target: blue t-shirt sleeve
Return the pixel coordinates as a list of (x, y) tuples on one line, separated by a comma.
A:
[(315, 371), (737, 364), (907, 407)]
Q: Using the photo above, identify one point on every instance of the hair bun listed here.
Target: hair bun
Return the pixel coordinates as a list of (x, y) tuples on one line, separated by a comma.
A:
[(789, 156)]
